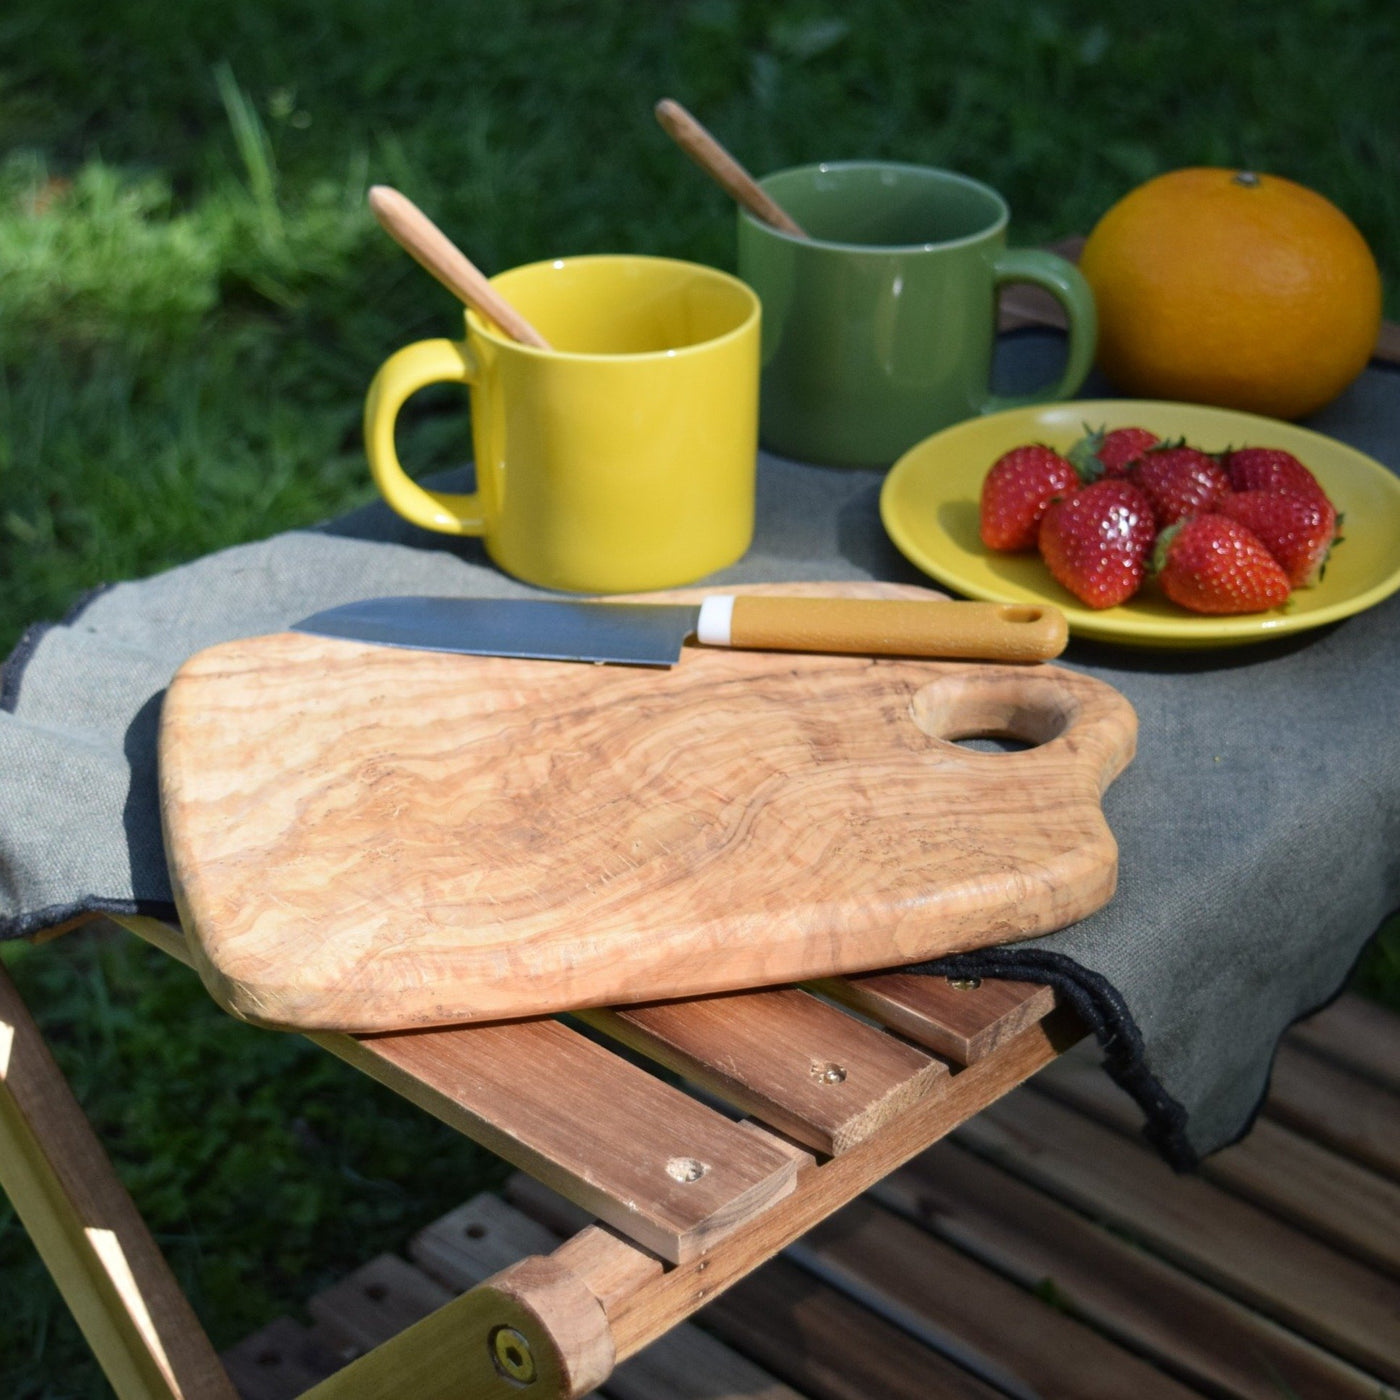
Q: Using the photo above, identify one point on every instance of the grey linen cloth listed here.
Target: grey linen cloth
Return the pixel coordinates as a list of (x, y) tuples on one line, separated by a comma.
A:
[(1259, 826)]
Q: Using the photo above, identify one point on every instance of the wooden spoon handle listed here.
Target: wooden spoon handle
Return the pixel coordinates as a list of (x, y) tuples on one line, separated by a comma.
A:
[(886, 627), (712, 158), (421, 238)]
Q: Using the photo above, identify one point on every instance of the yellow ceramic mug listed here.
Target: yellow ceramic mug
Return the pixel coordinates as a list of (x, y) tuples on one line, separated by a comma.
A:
[(620, 459)]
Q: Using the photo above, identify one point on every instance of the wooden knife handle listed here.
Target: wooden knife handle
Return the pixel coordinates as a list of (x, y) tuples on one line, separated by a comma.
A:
[(896, 627)]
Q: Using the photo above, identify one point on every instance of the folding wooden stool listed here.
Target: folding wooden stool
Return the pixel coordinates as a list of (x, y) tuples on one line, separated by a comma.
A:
[(801, 1099)]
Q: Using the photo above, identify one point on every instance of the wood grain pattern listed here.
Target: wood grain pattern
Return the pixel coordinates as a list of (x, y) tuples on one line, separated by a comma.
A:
[(367, 838), (642, 1300), (665, 1170), (1011, 1334), (1242, 1250), (792, 1061), (1350, 1206), (830, 1346), (963, 1019), (1147, 1305), (1324, 1102), (1359, 1034)]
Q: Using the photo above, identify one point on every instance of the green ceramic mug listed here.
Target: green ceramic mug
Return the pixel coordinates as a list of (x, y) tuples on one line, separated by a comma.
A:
[(878, 327)]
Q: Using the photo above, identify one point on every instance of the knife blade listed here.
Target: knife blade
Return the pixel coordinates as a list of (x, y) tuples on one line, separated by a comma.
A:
[(654, 634)]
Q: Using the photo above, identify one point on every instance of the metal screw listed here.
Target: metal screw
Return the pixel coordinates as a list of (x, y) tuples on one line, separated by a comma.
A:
[(685, 1169), (510, 1350), (1247, 177), (829, 1074), (964, 984)]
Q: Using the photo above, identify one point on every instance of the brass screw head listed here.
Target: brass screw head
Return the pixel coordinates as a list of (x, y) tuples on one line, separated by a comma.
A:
[(964, 984), (510, 1351)]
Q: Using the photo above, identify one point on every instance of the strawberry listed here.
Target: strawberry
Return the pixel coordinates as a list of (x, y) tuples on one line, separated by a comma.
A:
[(1016, 492), (1179, 481), (1096, 542), (1298, 531), (1212, 564), (1270, 469), (1103, 453)]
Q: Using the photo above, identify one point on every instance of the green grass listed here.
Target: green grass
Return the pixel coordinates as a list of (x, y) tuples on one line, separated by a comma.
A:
[(193, 299)]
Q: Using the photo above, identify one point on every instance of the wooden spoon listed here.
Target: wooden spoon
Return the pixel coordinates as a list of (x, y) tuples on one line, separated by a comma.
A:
[(419, 236), (712, 158)]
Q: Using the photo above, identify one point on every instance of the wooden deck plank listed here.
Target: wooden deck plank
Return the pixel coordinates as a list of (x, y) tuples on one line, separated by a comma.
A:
[(1357, 1033), (279, 1362), (1331, 1105), (665, 1170), (830, 1347), (962, 1018), (794, 1062), (375, 1302), (1350, 1206), (1233, 1245), (479, 1238), (927, 1285), (1155, 1309)]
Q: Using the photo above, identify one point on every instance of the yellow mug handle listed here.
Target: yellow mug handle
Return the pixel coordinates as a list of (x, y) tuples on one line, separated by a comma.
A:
[(400, 376)]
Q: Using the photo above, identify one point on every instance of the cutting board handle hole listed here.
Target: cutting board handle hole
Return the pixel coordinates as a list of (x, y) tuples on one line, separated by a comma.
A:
[(1014, 711), (992, 743)]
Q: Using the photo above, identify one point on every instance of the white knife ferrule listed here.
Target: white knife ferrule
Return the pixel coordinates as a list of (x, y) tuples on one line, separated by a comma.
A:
[(714, 625)]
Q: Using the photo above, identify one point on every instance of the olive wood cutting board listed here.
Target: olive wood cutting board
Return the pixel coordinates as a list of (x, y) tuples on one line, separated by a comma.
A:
[(367, 838)]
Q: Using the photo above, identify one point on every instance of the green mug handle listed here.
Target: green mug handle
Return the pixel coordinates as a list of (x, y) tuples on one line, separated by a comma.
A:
[(1066, 283)]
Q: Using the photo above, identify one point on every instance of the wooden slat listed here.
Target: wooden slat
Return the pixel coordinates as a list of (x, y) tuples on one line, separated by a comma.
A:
[(791, 1060), (830, 1347), (479, 1238), (640, 1299), (642, 1303), (964, 1019), (376, 1302), (667, 1171), (1359, 1034), (1348, 1205), (552, 1103), (88, 1232), (1237, 1247), (1185, 1326), (930, 1287), (1327, 1103)]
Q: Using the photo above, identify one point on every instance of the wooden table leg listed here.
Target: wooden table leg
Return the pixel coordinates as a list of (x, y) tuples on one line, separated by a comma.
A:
[(532, 1332), (88, 1232)]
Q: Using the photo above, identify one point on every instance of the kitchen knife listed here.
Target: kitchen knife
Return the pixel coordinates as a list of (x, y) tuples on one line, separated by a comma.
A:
[(652, 634)]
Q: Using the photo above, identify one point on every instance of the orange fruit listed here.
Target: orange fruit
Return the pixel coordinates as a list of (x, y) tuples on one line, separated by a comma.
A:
[(1230, 288)]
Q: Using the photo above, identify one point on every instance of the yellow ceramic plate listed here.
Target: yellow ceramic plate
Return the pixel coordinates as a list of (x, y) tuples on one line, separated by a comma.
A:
[(929, 506)]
